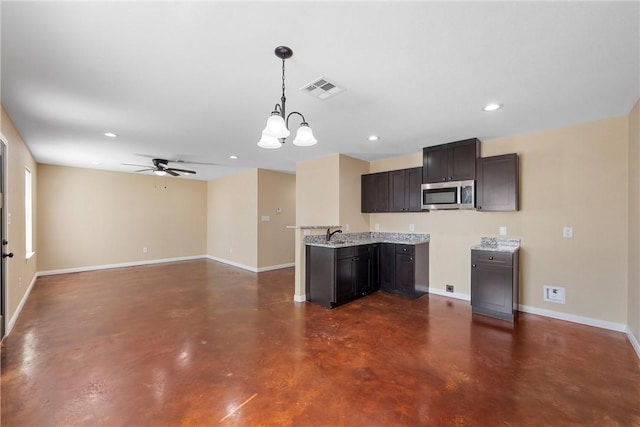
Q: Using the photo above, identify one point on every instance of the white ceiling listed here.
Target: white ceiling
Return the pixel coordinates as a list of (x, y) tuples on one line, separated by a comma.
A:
[(196, 81)]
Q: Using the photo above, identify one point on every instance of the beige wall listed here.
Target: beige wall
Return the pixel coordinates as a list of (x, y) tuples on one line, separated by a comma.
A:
[(318, 191), (20, 271), (95, 218), (235, 232), (275, 241), (574, 176), (232, 223), (633, 297), (350, 188)]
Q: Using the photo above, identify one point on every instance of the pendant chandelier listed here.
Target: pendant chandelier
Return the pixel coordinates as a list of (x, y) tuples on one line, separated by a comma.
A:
[(277, 129)]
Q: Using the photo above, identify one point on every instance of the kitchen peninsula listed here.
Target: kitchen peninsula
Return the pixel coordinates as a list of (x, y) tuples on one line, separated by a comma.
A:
[(353, 265)]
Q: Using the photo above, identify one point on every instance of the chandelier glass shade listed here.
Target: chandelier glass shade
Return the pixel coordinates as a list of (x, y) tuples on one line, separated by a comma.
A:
[(277, 128)]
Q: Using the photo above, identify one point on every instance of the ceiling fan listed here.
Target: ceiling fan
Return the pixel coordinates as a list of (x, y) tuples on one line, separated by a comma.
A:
[(161, 168)]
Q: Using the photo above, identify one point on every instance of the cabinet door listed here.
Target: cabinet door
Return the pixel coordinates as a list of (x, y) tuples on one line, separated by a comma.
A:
[(413, 181), (497, 188), (435, 167), (345, 290), (382, 192), (374, 272), (387, 266), (361, 269), (368, 193), (397, 202), (462, 159), (492, 288), (405, 274), (375, 192)]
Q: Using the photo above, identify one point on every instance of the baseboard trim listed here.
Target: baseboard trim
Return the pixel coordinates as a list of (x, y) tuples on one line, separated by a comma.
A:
[(14, 318), (276, 267), (233, 263), (300, 298), (612, 326), (456, 295), (250, 268), (634, 342), (119, 265)]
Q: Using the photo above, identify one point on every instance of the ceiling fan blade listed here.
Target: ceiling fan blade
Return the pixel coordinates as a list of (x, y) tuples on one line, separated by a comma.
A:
[(144, 170), (171, 172), (187, 171), (189, 162), (131, 164)]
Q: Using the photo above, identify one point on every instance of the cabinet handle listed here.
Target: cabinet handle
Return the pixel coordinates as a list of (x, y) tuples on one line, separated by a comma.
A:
[(444, 179), (479, 207), (411, 258), (450, 178), (473, 265), (490, 257)]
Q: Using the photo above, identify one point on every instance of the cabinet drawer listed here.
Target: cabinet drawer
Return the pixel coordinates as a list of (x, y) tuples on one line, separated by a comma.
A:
[(492, 257), (405, 249), (347, 252)]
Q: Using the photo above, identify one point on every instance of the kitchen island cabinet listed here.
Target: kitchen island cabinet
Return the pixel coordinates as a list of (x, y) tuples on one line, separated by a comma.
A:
[(336, 276)]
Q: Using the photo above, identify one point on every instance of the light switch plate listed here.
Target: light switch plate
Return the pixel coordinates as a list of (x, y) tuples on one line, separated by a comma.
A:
[(412, 227), (265, 218), (567, 232), (503, 231)]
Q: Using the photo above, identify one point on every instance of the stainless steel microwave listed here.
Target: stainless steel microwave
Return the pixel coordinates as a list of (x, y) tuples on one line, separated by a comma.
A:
[(449, 195)]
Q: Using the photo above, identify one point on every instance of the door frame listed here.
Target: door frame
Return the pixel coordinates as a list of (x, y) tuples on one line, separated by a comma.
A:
[(4, 231)]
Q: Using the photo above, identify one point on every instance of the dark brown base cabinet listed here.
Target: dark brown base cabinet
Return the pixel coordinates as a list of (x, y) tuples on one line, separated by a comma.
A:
[(494, 283), (404, 269), (337, 276)]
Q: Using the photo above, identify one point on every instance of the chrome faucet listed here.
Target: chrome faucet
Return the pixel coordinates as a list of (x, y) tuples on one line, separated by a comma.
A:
[(329, 233)]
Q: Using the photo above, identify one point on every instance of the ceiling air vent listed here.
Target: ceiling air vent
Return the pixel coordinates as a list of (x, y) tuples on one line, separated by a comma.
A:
[(321, 88)]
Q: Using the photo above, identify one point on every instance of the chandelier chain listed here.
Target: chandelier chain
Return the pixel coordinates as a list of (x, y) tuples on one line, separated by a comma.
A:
[(283, 78)]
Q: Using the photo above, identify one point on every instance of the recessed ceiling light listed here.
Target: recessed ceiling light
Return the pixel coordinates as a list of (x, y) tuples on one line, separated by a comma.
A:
[(374, 138), (234, 157), (492, 107), (110, 134)]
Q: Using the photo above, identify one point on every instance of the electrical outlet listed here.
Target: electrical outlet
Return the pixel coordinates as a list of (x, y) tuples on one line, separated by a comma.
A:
[(278, 210), (307, 232), (377, 227), (503, 231), (145, 250), (554, 294), (567, 232), (449, 288), (412, 227), (346, 227)]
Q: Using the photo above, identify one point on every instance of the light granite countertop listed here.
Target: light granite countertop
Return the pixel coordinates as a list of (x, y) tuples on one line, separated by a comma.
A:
[(497, 244), (341, 240)]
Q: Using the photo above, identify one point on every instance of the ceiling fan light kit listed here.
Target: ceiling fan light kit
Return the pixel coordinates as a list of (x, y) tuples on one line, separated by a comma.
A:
[(277, 128)]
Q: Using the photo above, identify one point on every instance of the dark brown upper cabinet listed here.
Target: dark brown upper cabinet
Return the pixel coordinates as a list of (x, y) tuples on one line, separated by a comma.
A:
[(497, 187), (404, 190), (455, 161), (375, 192)]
